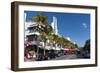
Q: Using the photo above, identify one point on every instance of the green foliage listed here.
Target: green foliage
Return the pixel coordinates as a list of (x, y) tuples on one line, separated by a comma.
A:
[(46, 31), (87, 45), (40, 18)]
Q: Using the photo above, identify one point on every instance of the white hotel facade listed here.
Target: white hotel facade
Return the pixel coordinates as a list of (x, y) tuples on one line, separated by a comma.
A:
[(29, 24)]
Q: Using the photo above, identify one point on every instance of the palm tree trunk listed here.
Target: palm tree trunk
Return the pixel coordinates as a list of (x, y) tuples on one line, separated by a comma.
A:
[(44, 47)]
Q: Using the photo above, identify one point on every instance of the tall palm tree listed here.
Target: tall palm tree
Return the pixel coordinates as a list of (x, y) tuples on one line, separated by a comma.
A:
[(41, 21), (42, 26)]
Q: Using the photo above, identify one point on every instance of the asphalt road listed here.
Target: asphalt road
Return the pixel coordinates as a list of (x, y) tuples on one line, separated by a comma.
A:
[(70, 56)]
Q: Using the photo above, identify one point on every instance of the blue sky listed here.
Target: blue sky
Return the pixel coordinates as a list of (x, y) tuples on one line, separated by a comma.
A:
[(75, 26)]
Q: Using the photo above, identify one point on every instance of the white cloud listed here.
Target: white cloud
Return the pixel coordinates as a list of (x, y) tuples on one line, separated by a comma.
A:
[(74, 42), (68, 38), (84, 25)]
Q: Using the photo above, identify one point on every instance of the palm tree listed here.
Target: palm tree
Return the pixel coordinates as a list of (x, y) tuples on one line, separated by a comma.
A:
[(55, 40), (42, 27), (41, 21)]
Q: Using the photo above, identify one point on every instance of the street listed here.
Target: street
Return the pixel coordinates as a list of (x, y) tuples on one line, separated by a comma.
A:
[(68, 56)]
